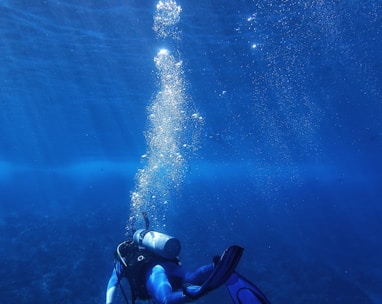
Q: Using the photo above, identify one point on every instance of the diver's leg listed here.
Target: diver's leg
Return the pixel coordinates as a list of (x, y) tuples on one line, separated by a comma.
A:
[(160, 289), (199, 276)]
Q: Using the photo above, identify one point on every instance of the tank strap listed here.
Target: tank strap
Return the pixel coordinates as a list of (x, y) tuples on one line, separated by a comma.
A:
[(142, 236)]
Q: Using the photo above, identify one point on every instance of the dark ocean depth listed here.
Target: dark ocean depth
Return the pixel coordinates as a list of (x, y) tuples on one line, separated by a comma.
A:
[(284, 158)]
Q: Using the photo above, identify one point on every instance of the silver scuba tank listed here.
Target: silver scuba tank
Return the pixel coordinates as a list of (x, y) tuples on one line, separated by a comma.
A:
[(159, 243)]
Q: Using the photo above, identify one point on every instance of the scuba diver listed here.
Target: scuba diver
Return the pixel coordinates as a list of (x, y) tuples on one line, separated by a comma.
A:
[(149, 261)]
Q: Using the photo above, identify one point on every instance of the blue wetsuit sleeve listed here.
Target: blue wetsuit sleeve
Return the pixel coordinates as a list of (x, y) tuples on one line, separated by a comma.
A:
[(117, 273), (113, 281)]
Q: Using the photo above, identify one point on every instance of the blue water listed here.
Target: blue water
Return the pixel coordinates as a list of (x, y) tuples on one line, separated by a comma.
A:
[(288, 163)]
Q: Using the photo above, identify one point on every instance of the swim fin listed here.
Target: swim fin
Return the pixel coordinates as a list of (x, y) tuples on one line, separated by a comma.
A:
[(243, 291), (222, 271)]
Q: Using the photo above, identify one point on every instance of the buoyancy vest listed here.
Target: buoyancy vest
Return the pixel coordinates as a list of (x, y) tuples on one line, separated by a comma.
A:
[(136, 262)]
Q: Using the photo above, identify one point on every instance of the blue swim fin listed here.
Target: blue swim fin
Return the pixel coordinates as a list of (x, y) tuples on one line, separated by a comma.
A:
[(243, 291), (222, 271)]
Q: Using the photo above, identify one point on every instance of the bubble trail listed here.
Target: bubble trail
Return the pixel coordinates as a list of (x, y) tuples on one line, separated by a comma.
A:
[(166, 18), (172, 129)]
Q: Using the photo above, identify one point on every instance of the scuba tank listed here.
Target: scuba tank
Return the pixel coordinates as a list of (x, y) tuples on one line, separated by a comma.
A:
[(161, 244)]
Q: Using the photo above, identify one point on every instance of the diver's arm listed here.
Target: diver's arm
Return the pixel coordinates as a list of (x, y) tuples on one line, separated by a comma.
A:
[(110, 294), (111, 287)]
